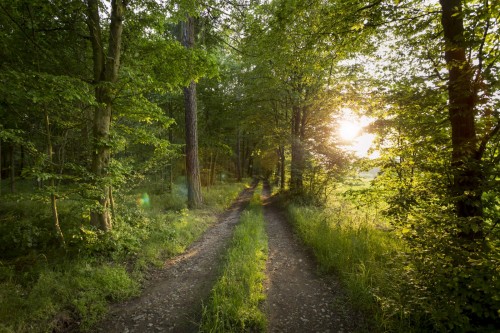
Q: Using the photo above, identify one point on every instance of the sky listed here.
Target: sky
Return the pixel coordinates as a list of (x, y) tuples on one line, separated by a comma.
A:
[(350, 130)]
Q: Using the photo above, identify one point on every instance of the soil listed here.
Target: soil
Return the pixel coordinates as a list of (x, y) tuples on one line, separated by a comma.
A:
[(172, 298), (298, 298)]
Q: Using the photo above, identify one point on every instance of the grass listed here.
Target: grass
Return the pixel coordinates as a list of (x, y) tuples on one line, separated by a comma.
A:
[(236, 296), (44, 288), (350, 242)]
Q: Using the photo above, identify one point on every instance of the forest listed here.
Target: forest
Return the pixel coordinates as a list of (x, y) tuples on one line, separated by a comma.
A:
[(128, 128)]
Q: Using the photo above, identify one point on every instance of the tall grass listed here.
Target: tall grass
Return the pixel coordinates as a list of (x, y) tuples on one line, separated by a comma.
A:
[(235, 298), (348, 242), (46, 288)]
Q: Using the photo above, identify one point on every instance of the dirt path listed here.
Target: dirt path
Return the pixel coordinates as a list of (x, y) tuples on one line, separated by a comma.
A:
[(171, 301), (298, 299)]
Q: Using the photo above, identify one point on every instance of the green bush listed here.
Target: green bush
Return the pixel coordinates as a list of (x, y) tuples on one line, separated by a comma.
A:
[(44, 287), (450, 283)]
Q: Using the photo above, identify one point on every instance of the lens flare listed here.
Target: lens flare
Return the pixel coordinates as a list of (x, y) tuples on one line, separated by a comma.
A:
[(143, 201)]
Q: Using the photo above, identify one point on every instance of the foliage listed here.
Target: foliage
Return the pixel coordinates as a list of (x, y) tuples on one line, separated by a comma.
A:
[(50, 290), (57, 295), (236, 296), (450, 283)]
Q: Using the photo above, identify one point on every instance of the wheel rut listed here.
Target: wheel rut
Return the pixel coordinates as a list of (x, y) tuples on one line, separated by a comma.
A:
[(171, 300), (298, 298)]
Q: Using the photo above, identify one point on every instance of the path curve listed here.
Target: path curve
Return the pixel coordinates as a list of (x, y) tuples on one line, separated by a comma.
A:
[(171, 302), (298, 299)]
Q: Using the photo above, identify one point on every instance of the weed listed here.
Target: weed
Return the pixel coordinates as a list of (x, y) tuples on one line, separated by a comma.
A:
[(235, 298), (43, 288), (348, 243)]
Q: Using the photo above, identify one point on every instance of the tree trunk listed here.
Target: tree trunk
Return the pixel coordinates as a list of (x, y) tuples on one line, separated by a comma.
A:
[(170, 167), (212, 168), (53, 197), (105, 71), (282, 168), (467, 173), (0, 167), (192, 162), (23, 157), (297, 163), (239, 175), (12, 170)]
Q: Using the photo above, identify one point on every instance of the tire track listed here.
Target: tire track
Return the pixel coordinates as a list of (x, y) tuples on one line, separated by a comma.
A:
[(298, 299), (172, 301)]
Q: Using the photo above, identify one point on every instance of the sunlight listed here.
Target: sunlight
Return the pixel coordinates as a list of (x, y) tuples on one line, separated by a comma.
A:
[(351, 131)]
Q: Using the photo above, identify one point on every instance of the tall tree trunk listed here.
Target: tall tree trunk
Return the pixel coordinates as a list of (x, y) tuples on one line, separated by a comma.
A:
[(170, 166), (53, 197), (282, 167), (213, 163), (192, 161), (297, 163), (105, 71), (23, 157), (467, 173), (0, 167), (12, 170), (239, 175)]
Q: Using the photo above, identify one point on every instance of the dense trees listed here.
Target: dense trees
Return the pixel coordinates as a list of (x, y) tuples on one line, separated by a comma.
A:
[(97, 96)]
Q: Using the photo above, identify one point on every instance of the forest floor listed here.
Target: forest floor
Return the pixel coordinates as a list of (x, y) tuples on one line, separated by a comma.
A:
[(298, 298)]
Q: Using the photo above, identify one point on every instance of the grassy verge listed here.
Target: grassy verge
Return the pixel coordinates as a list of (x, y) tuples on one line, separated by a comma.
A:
[(348, 242), (235, 298), (46, 289)]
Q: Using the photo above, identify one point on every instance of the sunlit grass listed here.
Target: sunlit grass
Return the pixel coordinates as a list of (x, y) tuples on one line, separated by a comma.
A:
[(353, 244), (235, 298)]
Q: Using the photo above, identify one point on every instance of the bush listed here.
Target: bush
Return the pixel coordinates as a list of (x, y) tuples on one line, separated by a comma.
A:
[(46, 288), (450, 283)]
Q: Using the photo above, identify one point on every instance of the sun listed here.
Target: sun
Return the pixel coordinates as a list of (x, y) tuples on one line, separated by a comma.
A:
[(349, 130)]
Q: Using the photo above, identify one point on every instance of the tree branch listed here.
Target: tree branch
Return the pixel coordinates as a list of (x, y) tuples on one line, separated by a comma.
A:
[(485, 140)]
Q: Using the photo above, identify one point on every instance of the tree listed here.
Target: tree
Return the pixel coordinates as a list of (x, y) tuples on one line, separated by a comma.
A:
[(466, 157), (105, 75), (295, 49), (192, 162), (438, 126)]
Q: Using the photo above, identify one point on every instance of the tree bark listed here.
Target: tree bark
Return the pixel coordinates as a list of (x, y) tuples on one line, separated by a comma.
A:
[(467, 174), (170, 167), (53, 197), (0, 167), (212, 168), (12, 170), (239, 175), (297, 163), (192, 161), (282, 167), (105, 74)]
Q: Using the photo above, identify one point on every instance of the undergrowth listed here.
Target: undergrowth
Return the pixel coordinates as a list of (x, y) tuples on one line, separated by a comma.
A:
[(44, 288), (349, 243), (235, 298)]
